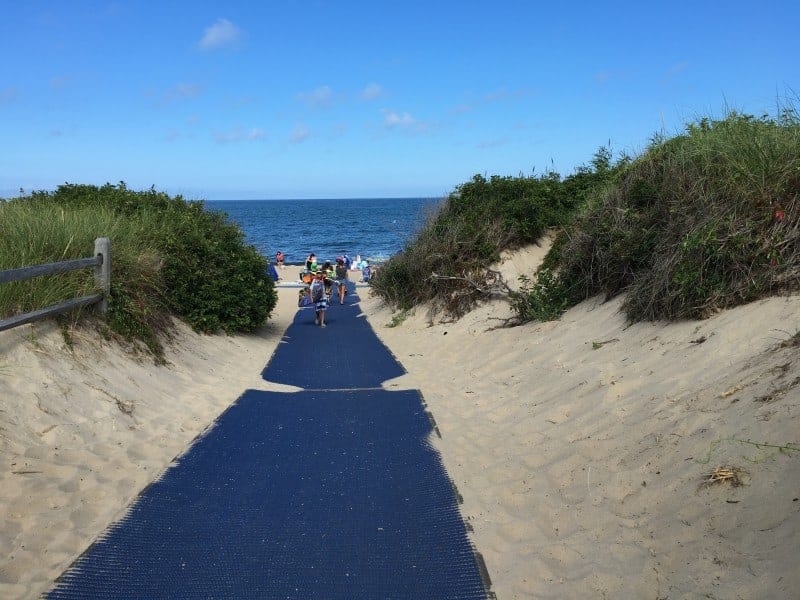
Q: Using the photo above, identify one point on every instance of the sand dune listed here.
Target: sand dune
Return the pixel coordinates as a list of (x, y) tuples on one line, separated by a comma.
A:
[(585, 449)]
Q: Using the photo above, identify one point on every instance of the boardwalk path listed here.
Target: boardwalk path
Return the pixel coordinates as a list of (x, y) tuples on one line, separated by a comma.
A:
[(332, 492)]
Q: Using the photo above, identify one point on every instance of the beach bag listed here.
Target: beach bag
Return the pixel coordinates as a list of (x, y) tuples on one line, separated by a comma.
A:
[(317, 290)]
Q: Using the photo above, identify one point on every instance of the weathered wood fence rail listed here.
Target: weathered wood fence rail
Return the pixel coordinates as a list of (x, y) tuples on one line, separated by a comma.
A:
[(101, 262)]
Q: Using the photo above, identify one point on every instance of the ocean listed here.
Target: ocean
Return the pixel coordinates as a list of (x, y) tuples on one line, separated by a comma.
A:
[(374, 228)]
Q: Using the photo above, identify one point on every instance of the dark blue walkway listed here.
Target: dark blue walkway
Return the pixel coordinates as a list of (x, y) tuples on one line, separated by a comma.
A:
[(329, 493)]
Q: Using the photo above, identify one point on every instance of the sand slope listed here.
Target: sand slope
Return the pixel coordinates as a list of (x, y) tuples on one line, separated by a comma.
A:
[(582, 448), (83, 431)]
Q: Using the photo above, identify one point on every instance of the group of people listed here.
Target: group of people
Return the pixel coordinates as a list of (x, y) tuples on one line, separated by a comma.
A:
[(311, 262), (321, 279), (322, 284)]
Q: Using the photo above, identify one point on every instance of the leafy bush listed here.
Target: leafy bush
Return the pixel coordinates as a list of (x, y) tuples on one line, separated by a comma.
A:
[(541, 300), (169, 257), (446, 262)]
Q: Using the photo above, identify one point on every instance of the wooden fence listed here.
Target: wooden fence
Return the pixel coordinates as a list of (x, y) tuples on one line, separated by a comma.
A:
[(101, 262)]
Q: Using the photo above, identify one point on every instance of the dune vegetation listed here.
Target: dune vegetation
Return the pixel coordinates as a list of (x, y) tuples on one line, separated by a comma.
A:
[(170, 257), (702, 221)]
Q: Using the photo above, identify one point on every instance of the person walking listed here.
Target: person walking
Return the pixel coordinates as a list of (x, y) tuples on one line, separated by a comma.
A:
[(319, 298), (279, 259), (341, 278)]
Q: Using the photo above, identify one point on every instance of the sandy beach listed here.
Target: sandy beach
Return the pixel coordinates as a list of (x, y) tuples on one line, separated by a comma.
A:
[(595, 459)]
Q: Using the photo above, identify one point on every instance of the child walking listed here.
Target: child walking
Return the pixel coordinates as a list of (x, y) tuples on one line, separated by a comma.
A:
[(319, 298)]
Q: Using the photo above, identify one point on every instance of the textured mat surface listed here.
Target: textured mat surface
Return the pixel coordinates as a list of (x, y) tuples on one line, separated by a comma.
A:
[(317, 494), (345, 354)]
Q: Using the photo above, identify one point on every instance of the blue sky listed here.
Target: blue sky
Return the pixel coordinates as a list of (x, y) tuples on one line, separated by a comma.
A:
[(345, 98)]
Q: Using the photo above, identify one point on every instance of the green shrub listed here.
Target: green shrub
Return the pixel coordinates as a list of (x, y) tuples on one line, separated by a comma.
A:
[(544, 299), (169, 257), (446, 262)]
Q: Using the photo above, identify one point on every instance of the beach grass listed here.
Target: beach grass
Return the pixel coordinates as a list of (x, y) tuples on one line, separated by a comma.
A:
[(169, 258), (37, 232), (702, 221), (705, 220)]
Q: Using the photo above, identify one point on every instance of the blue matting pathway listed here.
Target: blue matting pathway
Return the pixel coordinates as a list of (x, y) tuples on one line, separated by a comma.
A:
[(333, 492)]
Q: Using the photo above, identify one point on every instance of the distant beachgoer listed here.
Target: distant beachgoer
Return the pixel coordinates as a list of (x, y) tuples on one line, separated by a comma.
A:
[(311, 262), (318, 298), (327, 270), (357, 262), (279, 259), (341, 278), (347, 262)]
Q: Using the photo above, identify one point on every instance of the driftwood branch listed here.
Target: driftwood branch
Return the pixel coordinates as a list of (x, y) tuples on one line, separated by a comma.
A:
[(492, 285), (462, 292)]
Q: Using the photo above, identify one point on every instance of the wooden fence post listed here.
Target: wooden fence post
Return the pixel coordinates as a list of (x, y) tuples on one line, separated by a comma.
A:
[(102, 272)]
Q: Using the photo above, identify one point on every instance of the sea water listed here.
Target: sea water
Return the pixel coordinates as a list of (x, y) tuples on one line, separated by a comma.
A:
[(374, 228)]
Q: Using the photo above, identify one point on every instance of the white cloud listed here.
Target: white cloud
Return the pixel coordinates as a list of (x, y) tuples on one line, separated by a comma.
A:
[(222, 34), (322, 96), (371, 92), (300, 134), (392, 119)]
